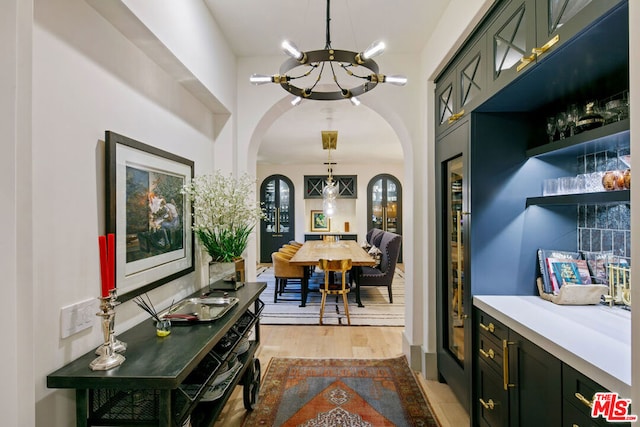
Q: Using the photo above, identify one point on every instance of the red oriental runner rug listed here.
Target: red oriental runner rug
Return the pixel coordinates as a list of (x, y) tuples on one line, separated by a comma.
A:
[(340, 392)]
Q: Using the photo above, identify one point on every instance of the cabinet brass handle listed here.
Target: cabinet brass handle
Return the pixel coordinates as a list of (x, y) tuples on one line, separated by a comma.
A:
[(456, 116), (584, 400), (525, 60), (488, 405), (505, 364), (489, 328), (540, 50), (488, 354)]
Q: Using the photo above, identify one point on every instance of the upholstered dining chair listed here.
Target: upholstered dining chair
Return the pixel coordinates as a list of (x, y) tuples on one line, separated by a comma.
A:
[(289, 251), (284, 271), (329, 267)]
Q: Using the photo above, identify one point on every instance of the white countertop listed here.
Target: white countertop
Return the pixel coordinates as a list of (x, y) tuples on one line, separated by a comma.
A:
[(594, 339)]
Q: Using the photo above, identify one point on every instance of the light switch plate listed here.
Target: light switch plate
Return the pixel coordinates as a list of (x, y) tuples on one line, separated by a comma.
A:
[(77, 317)]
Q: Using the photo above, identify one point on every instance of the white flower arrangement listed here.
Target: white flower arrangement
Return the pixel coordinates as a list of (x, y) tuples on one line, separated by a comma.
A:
[(224, 213)]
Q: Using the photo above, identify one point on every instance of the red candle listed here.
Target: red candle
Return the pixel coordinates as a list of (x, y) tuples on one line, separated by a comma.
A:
[(104, 272), (111, 258)]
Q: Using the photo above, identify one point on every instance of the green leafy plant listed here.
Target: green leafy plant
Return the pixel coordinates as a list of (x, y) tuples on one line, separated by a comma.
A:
[(224, 213)]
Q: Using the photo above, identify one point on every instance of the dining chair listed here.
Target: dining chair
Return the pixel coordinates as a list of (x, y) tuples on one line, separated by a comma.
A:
[(329, 267), (283, 272), (328, 238), (290, 252)]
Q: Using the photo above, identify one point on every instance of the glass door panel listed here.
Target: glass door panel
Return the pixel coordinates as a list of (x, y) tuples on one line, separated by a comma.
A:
[(454, 272), (377, 208), (561, 11), (391, 210), (283, 207), (278, 227)]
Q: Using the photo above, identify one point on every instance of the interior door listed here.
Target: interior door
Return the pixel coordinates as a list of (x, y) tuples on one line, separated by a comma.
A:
[(384, 204), (453, 290), (278, 228)]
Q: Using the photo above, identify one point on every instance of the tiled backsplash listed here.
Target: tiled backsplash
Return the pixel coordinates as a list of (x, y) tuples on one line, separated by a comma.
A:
[(604, 227)]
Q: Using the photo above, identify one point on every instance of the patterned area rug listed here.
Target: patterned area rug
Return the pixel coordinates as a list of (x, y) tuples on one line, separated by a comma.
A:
[(340, 392), (377, 310)]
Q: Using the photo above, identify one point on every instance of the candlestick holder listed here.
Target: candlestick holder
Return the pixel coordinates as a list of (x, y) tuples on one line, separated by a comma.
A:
[(117, 345), (107, 358)]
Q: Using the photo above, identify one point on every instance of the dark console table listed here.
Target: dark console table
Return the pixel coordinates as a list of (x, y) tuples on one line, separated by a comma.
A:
[(162, 381)]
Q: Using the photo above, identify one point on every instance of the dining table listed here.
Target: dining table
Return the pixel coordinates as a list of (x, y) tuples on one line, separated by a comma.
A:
[(313, 250)]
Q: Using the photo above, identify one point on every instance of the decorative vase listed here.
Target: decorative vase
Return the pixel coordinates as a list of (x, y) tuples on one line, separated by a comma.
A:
[(221, 270)]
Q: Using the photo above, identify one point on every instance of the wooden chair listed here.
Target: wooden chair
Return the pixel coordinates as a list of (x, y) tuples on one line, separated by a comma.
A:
[(328, 238), (329, 267), (283, 272)]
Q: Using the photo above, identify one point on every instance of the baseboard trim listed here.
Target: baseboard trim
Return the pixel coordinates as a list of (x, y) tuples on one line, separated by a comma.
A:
[(430, 366)]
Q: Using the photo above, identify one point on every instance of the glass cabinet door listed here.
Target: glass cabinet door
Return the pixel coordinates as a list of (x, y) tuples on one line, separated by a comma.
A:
[(512, 38), (454, 272), (276, 195)]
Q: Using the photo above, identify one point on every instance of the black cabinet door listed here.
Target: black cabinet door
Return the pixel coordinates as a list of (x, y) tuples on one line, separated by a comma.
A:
[(453, 291), (535, 384), (278, 228)]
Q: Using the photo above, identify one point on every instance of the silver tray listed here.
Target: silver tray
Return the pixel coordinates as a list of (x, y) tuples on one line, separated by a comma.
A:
[(199, 309)]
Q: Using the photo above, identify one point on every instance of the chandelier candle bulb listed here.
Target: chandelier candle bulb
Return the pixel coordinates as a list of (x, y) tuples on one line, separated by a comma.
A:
[(292, 50), (260, 79), (395, 80), (376, 48)]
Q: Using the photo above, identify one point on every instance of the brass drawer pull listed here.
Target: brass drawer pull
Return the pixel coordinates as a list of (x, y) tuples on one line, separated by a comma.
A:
[(491, 328), (488, 405), (488, 354), (540, 50), (505, 364), (584, 400), (456, 116), (525, 60)]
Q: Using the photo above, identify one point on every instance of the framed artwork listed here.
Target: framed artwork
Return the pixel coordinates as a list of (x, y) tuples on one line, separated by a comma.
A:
[(319, 221), (148, 214)]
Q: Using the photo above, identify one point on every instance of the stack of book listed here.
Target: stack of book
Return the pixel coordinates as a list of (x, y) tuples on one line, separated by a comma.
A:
[(566, 277)]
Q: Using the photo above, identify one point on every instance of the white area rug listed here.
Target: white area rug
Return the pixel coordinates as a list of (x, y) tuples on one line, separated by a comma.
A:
[(377, 310)]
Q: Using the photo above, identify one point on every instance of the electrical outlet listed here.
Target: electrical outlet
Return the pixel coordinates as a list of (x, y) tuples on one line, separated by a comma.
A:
[(77, 317)]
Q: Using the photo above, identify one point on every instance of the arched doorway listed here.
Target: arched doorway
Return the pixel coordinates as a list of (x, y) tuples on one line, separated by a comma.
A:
[(278, 228)]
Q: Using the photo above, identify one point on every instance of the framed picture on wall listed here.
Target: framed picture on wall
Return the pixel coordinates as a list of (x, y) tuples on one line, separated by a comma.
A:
[(319, 221), (148, 214)]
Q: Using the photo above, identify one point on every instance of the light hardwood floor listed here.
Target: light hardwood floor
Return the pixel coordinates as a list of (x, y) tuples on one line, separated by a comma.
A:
[(341, 342)]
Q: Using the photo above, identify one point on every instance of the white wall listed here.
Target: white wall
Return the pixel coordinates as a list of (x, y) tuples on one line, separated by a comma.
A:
[(16, 359), (89, 78)]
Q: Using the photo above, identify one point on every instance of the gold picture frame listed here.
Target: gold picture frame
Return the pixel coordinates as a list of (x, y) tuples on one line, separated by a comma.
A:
[(319, 221)]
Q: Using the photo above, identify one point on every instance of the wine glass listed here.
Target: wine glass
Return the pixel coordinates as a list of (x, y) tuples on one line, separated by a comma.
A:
[(562, 123), (573, 113), (551, 128)]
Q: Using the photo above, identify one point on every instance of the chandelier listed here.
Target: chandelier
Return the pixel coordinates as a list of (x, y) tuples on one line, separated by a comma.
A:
[(330, 191), (314, 63)]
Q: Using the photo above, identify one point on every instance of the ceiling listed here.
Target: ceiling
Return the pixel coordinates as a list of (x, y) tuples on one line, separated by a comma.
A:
[(294, 138)]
